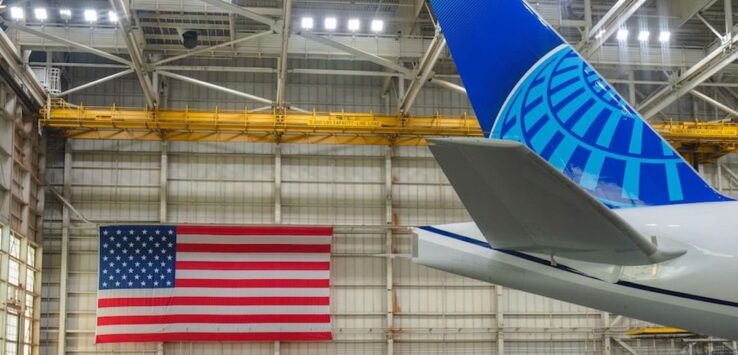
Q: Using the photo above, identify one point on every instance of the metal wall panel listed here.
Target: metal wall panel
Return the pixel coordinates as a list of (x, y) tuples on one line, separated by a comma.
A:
[(432, 312)]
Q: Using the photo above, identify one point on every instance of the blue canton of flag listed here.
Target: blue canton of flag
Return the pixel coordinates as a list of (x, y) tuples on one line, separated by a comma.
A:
[(134, 257)]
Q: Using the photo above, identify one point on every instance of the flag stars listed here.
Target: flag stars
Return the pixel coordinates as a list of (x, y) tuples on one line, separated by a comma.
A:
[(137, 257)]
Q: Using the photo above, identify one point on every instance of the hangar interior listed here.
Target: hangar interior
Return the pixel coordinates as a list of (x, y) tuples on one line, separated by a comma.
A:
[(309, 112)]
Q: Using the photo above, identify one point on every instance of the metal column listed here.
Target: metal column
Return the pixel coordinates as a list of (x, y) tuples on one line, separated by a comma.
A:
[(389, 249), (63, 272)]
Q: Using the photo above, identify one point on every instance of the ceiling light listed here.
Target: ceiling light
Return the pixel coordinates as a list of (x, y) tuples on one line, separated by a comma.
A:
[(330, 23), (354, 24), (622, 34), (90, 15), (643, 36), (17, 13), (40, 14), (307, 23), (112, 16), (600, 34), (664, 36), (377, 26), (65, 14)]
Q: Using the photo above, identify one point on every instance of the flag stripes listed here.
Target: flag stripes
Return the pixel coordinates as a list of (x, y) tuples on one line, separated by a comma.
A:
[(214, 283)]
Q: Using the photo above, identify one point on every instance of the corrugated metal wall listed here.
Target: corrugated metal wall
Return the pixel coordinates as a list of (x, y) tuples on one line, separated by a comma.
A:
[(432, 312)]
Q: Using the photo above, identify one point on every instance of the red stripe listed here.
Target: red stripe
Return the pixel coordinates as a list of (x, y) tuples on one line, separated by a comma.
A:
[(254, 283), (212, 301), (253, 265), (256, 230), (214, 319), (254, 248), (172, 337)]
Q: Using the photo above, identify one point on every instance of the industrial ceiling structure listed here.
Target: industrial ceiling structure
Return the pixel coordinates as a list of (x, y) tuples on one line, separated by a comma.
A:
[(146, 40)]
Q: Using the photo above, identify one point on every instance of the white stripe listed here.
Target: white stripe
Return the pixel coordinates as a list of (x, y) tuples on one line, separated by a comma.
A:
[(215, 328), (190, 256), (252, 274), (216, 239), (215, 292), (226, 310)]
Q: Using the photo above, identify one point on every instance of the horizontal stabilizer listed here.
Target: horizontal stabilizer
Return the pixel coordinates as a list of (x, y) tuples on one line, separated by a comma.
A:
[(521, 203)]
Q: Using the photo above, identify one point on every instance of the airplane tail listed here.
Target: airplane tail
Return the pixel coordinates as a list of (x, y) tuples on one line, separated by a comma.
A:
[(527, 84)]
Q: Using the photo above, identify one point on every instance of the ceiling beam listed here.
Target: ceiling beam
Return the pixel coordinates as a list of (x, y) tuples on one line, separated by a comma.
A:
[(355, 51), (96, 82), (282, 65), (138, 62), (448, 85), (9, 53), (613, 20), (714, 102), (232, 8), (212, 48), (715, 61), (423, 72), (215, 87), (66, 42)]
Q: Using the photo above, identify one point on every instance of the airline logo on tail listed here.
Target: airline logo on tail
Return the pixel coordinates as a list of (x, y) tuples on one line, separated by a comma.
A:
[(526, 84)]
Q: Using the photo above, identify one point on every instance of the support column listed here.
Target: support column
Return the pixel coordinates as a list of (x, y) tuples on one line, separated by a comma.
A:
[(500, 318), (728, 20), (63, 272), (7, 106), (277, 204), (163, 178), (607, 339), (4, 276), (163, 182), (389, 249), (278, 184)]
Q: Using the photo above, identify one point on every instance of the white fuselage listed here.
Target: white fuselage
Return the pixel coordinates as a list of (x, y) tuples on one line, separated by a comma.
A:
[(697, 291)]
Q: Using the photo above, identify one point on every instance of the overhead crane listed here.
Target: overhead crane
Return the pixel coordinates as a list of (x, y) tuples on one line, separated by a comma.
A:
[(698, 141)]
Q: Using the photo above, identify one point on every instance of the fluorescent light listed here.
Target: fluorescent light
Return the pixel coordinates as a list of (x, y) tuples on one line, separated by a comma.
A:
[(17, 13), (354, 24), (622, 34), (112, 16), (600, 34), (307, 23), (664, 36), (330, 23), (65, 14), (377, 26), (90, 15), (40, 14), (643, 36)]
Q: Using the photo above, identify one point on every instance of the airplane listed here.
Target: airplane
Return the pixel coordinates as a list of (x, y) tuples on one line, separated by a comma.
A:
[(572, 194)]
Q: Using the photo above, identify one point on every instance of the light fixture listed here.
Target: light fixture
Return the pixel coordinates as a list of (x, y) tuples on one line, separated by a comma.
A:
[(377, 26), (307, 23), (40, 14), (643, 36), (600, 34), (112, 16), (330, 23), (622, 34), (90, 15), (17, 13), (65, 14), (664, 36), (354, 24)]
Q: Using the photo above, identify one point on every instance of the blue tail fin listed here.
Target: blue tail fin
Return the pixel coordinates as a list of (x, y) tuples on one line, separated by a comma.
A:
[(527, 84)]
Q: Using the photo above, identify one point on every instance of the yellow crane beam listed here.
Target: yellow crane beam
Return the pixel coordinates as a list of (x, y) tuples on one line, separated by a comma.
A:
[(82, 122), (696, 140)]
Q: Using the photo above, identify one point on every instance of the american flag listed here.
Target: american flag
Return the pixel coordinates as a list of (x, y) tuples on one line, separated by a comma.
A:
[(166, 283)]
